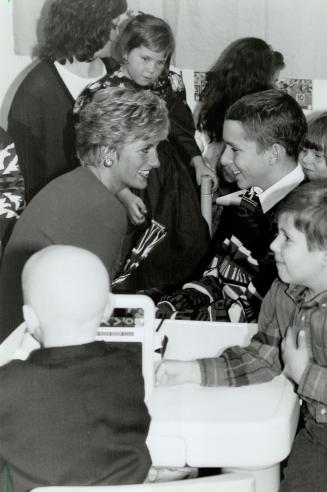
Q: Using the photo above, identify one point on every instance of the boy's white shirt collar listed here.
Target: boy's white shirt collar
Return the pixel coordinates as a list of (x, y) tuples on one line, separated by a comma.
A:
[(280, 189)]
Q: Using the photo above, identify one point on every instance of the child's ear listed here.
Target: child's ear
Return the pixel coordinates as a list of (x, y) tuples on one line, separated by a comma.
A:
[(31, 319), (109, 307), (276, 153)]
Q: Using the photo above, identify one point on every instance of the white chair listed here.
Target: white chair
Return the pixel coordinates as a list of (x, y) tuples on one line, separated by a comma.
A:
[(20, 343), (143, 332), (229, 482)]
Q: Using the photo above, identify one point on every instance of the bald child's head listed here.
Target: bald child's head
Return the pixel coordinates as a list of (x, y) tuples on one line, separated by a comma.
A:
[(66, 295)]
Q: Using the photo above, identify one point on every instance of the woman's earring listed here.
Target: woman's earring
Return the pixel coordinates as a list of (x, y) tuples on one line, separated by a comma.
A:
[(108, 158), (108, 161)]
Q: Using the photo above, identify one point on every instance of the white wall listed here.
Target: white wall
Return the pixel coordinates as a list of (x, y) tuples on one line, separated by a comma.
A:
[(12, 65), (185, 16)]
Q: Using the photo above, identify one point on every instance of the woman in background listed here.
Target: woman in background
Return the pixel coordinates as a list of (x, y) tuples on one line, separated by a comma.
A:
[(244, 67), (41, 119), (116, 141)]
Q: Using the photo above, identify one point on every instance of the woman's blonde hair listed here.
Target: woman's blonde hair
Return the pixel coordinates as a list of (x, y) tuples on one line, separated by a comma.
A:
[(116, 115)]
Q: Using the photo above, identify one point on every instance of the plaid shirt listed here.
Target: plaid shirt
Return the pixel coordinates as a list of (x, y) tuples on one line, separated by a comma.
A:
[(284, 307)]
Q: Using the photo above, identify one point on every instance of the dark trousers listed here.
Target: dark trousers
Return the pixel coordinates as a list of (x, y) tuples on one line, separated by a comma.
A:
[(306, 469)]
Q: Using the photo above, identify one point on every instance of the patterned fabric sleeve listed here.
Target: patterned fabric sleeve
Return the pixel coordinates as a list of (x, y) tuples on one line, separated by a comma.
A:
[(256, 363), (11, 184)]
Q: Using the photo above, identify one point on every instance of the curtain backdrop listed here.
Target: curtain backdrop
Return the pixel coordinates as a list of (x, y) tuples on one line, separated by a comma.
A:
[(203, 28)]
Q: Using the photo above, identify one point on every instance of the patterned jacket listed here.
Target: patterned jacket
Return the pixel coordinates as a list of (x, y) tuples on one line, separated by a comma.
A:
[(240, 273)]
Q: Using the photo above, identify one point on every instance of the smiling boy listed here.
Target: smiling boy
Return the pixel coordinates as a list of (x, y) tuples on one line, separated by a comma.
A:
[(262, 133), (292, 324)]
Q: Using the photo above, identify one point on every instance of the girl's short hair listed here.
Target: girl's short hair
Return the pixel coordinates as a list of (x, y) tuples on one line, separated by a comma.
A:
[(117, 115), (316, 135), (78, 28), (307, 205), (145, 30)]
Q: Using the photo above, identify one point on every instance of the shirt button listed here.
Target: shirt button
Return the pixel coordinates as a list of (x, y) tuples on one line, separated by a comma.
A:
[(323, 411)]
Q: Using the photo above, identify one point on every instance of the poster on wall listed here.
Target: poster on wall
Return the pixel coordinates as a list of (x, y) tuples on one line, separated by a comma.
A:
[(300, 89), (200, 80)]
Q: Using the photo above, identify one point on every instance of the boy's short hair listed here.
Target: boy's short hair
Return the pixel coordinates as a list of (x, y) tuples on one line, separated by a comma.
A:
[(270, 117), (308, 206)]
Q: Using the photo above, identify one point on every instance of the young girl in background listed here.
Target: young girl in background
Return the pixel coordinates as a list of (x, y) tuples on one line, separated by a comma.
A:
[(313, 148), (143, 52), (246, 65)]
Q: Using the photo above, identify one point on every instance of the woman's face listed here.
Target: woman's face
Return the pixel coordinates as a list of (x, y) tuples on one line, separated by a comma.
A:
[(134, 163), (144, 66)]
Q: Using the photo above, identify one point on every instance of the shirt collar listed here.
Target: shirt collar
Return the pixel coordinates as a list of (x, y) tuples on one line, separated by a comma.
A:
[(298, 294), (280, 189)]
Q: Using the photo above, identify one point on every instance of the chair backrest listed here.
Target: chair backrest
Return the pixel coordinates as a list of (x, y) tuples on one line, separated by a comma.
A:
[(231, 482), (206, 200), (142, 330), (18, 345)]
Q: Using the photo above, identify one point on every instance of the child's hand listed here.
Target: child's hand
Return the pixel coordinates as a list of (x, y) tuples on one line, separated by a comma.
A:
[(136, 210), (296, 355), (172, 372), (134, 205), (203, 169), (231, 199), (164, 310)]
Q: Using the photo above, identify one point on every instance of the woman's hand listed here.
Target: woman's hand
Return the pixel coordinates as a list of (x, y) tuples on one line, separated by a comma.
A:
[(172, 372), (203, 169), (134, 205)]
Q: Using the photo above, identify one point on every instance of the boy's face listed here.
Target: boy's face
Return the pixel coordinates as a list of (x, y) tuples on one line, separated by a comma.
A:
[(295, 263), (248, 164)]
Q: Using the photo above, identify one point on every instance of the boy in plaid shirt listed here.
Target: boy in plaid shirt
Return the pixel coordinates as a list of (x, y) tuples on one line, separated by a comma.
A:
[(291, 335)]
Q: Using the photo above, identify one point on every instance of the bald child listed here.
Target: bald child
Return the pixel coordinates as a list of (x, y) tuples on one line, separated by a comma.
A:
[(73, 413)]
